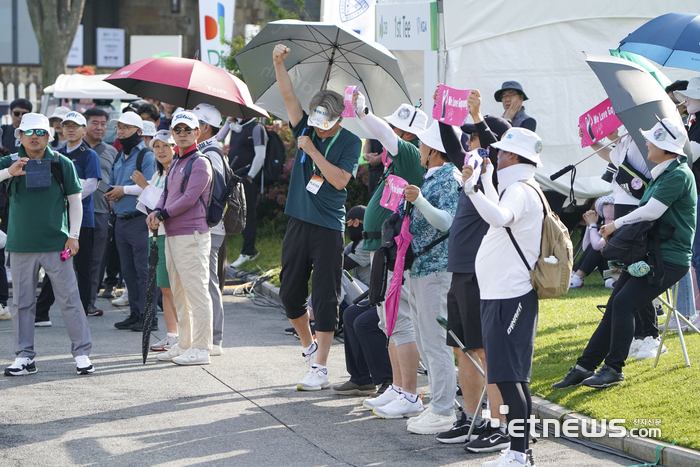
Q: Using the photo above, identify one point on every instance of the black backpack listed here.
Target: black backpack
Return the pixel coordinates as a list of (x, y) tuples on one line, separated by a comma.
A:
[(229, 195), (274, 158)]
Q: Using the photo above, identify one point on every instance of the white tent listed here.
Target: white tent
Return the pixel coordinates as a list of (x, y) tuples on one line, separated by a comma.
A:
[(540, 43)]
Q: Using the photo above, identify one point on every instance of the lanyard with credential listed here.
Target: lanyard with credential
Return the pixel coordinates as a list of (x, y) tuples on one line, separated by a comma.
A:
[(313, 164)]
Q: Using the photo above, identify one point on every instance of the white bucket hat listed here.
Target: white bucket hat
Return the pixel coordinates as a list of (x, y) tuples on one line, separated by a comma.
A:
[(75, 117), (667, 135), (188, 118), (149, 128), (692, 91), (162, 135), (128, 118), (321, 118), (32, 121), (523, 142), (431, 137), (408, 118)]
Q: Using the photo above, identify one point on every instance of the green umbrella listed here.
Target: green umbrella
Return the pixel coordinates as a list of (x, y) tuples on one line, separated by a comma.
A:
[(644, 63)]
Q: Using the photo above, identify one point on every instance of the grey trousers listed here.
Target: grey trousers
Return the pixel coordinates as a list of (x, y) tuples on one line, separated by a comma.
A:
[(214, 290), (99, 243), (25, 271)]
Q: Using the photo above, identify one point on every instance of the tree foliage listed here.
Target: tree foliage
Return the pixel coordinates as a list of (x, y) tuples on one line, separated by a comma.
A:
[(55, 24)]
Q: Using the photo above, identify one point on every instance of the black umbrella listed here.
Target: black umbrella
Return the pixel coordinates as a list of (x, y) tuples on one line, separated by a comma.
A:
[(150, 297)]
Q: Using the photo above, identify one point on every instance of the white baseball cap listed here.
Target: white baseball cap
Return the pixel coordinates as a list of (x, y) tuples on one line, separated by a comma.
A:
[(75, 117), (667, 135), (522, 142), (188, 118), (431, 137), (59, 113), (32, 121), (163, 135), (149, 128), (207, 113), (321, 118), (408, 118), (128, 118)]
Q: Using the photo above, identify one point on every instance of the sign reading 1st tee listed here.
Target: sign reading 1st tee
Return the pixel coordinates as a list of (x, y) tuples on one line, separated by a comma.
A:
[(407, 26)]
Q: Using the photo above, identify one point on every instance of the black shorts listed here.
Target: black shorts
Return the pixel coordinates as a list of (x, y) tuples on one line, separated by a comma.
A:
[(464, 311), (509, 327)]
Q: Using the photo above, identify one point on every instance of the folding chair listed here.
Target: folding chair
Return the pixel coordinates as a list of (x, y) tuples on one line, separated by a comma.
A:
[(673, 314)]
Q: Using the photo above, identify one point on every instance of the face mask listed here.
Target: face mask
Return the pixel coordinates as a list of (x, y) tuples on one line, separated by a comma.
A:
[(693, 105), (355, 233)]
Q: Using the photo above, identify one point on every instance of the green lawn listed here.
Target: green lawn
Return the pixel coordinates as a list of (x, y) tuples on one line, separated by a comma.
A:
[(671, 392), (668, 392)]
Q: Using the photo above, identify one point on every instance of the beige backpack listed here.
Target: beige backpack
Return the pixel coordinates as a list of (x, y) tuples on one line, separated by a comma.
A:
[(552, 272)]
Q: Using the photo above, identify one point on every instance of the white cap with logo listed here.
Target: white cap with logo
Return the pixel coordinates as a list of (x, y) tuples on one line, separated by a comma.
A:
[(32, 121), (667, 135), (209, 114), (75, 117), (321, 118), (163, 135), (523, 142), (408, 118), (188, 118), (128, 118)]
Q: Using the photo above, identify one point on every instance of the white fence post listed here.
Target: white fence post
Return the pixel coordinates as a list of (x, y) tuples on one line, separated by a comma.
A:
[(32, 97), (2, 92), (10, 92)]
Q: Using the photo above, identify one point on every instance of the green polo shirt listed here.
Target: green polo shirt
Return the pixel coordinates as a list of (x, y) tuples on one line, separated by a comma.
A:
[(39, 220), (327, 207), (675, 187), (406, 164)]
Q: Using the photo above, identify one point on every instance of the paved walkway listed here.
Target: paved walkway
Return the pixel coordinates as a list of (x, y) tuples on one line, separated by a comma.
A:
[(242, 410)]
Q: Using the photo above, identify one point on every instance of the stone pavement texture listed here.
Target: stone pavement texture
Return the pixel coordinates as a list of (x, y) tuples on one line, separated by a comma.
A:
[(241, 410)]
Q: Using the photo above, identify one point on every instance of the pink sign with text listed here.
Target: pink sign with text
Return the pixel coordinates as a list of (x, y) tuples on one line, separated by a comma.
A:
[(393, 194), (349, 109), (598, 123), (450, 105)]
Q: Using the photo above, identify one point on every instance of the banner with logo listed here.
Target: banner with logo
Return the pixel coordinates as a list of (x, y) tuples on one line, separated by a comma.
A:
[(450, 105), (598, 123), (215, 29), (357, 15), (393, 194)]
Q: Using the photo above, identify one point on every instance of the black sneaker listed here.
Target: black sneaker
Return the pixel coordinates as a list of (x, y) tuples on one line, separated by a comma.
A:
[(289, 331), (107, 293), (92, 311), (573, 378), (138, 326), (126, 324), (22, 366), (604, 377), (382, 389), (489, 439), (459, 431)]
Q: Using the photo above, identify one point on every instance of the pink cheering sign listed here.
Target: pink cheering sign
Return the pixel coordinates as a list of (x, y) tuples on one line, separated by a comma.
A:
[(598, 123), (393, 194), (349, 109), (450, 105)]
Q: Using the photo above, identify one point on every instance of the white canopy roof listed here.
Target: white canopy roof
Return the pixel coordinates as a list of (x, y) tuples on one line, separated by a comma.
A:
[(86, 87)]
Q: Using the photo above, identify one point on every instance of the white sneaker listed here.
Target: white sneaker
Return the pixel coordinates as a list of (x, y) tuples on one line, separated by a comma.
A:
[(5, 313), (400, 408), (193, 356), (175, 351), (507, 459), (673, 325), (380, 401), (634, 347), (84, 365), (610, 283), (310, 359), (650, 348), (315, 380), (216, 351), (122, 300), (426, 411), (432, 424), (575, 281), (22, 366), (43, 324), (243, 258)]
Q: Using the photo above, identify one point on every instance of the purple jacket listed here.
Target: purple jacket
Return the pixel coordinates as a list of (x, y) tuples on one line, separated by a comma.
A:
[(184, 213)]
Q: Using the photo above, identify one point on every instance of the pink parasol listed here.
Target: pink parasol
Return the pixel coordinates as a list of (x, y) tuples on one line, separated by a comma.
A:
[(393, 295)]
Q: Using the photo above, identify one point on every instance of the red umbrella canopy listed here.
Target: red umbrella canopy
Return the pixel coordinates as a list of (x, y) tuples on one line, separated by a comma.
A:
[(186, 82)]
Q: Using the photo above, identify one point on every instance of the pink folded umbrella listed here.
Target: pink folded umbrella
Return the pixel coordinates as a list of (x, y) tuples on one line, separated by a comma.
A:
[(393, 295), (187, 82)]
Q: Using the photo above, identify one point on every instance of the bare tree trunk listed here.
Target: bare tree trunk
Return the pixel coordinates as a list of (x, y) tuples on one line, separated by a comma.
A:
[(55, 24)]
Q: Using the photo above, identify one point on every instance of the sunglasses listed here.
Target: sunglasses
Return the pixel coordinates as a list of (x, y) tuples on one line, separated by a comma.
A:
[(38, 132), (179, 130), (19, 113)]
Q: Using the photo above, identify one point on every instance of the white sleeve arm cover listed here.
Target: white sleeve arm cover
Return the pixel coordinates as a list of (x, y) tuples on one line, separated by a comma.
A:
[(649, 212), (5, 174), (493, 214), (132, 190), (221, 135), (75, 214), (258, 161), (487, 182), (380, 130), (441, 220), (89, 187)]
